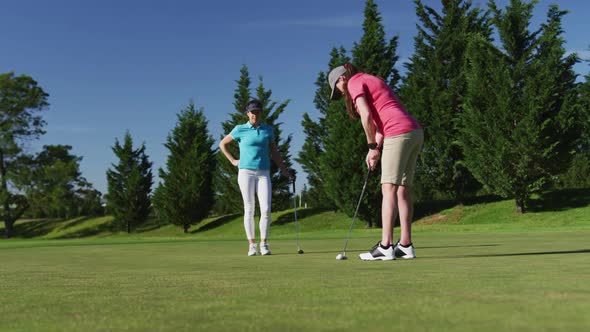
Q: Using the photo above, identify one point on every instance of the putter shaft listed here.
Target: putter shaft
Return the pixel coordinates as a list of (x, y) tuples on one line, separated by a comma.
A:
[(356, 211)]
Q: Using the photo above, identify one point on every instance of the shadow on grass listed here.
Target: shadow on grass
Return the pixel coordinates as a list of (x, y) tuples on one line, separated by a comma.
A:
[(579, 251), (359, 250), (560, 200), (216, 223), (150, 224), (105, 227), (41, 227), (427, 208), (147, 228), (77, 221), (301, 213), (319, 252), (35, 228), (459, 246)]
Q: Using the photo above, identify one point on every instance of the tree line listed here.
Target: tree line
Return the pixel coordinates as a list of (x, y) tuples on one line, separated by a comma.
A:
[(195, 182), (498, 99), (502, 110)]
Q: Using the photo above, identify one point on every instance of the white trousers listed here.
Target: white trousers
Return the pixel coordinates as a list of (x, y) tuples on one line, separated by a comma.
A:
[(254, 182)]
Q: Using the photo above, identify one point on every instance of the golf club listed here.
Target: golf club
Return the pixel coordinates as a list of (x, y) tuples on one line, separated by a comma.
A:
[(342, 256), (299, 251)]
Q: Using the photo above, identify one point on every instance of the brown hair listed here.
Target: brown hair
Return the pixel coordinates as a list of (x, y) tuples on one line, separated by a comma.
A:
[(350, 108)]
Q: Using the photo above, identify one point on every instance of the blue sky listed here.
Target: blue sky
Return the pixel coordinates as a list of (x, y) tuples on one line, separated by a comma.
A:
[(111, 66)]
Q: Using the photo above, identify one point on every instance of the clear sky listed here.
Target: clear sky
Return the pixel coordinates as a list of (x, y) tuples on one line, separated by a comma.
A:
[(116, 65)]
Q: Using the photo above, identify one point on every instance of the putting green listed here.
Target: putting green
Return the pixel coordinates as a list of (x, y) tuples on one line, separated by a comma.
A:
[(495, 281)]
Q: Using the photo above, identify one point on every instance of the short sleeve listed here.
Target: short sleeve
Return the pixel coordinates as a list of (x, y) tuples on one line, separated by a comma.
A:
[(355, 89), (235, 133)]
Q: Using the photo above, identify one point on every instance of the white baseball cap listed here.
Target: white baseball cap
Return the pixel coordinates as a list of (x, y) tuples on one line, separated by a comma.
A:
[(333, 79)]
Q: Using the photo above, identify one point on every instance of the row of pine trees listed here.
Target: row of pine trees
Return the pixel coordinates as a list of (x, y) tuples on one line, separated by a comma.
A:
[(498, 100), (500, 103), (197, 180)]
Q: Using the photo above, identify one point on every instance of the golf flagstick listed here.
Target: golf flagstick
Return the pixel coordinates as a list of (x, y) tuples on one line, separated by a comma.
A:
[(299, 251)]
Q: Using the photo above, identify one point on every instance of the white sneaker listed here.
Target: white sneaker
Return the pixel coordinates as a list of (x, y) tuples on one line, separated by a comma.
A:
[(378, 253), (404, 252), (264, 249), (252, 250)]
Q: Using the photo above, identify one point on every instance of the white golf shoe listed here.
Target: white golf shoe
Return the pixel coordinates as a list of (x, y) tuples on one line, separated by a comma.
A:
[(264, 249), (378, 253), (252, 249), (400, 251)]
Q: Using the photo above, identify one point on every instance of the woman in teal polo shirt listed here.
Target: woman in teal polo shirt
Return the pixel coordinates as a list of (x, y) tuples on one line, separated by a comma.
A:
[(257, 147)]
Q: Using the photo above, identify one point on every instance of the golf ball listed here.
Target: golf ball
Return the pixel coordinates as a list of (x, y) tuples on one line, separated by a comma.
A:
[(339, 256)]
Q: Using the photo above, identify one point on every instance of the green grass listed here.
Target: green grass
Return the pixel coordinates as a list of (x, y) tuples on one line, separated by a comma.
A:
[(460, 282), (480, 267)]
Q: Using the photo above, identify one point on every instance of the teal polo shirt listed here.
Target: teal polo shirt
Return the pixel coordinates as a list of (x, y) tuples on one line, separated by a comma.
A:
[(254, 145)]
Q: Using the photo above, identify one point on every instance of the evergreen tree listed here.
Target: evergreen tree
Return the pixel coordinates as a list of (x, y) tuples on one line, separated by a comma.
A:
[(377, 56), (21, 101), (343, 162), (585, 102), (228, 195), (373, 54), (309, 157), (578, 175), (316, 133), (434, 90), (185, 196), (271, 111), (129, 185), (89, 201), (520, 111), (158, 204)]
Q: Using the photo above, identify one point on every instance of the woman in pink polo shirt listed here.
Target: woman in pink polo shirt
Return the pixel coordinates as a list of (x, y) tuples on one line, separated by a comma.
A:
[(389, 127)]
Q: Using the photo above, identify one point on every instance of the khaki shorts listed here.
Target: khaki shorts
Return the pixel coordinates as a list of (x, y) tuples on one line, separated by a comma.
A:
[(398, 160)]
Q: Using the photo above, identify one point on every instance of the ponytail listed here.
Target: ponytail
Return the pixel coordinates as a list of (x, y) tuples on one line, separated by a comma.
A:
[(350, 108)]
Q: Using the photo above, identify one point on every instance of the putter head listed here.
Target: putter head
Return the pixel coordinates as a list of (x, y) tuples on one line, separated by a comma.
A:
[(341, 257), (300, 251)]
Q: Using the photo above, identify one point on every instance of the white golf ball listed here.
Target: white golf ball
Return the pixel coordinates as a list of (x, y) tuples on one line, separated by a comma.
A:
[(339, 256)]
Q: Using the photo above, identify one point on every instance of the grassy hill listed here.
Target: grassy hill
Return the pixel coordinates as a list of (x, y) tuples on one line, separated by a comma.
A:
[(570, 208)]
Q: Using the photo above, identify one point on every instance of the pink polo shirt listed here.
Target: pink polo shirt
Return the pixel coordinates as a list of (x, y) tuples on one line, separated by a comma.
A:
[(389, 115)]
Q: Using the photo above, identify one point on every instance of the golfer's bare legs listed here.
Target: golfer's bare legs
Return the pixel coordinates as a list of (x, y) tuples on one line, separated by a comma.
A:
[(388, 210), (406, 211)]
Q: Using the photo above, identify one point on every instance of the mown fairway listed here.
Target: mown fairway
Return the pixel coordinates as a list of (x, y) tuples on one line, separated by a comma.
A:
[(462, 281), (480, 267)]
